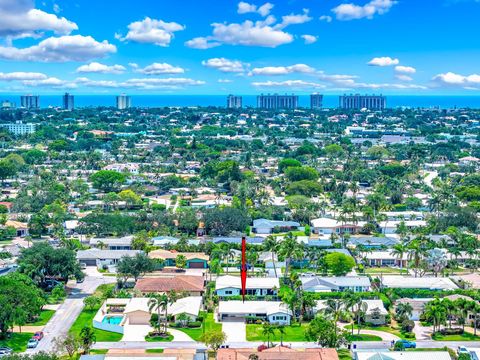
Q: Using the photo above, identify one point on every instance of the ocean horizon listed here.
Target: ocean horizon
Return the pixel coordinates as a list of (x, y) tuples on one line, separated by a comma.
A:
[(329, 101)]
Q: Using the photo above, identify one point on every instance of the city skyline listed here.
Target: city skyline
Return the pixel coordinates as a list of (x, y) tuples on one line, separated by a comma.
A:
[(334, 47)]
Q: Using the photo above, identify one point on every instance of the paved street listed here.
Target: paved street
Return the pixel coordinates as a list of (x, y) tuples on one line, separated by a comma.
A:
[(68, 312)]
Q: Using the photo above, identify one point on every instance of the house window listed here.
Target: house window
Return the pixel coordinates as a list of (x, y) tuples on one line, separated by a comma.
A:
[(228, 292)]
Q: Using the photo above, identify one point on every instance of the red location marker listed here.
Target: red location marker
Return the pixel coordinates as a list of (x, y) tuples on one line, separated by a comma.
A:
[(243, 272)]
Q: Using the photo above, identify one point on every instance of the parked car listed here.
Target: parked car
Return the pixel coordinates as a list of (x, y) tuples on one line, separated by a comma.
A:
[(38, 335), (462, 350), (32, 343), (407, 344), (5, 351)]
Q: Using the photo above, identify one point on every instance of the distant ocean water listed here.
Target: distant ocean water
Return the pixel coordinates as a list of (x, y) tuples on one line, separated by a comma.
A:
[(329, 101)]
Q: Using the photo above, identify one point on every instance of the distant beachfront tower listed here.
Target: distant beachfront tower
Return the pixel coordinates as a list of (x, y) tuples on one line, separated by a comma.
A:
[(234, 102), (68, 102), (276, 101), (316, 101), (123, 102), (358, 102), (30, 101)]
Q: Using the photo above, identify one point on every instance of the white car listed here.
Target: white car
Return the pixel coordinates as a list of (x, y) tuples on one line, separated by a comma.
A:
[(462, 350), (32, 344)]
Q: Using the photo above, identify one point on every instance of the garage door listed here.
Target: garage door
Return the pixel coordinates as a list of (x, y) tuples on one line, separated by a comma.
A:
[(195, 265), (89, 262)]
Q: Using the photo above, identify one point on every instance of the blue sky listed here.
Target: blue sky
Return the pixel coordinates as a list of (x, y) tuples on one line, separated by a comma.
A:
[(221, 46)]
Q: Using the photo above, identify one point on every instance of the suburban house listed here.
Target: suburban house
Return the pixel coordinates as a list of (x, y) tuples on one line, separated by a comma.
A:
[(275, 312), (410, 282), (277, 353), (270, 260), (385, 258), (191, 284), (103, 258), (374, 310), (122, 243), (142, 354), (372, 242), (20, 227), (265, 226), (418, 305), (336, 283), (328, 226), (228, 285), (136, 311), (402, 355), (390, 226), (195, 260)]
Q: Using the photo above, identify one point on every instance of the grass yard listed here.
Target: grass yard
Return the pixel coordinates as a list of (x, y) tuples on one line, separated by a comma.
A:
[(98, 351), (167, 338), (462, 337), (344, 354), (154, 351), (43, 318), (209, 324), (388, 329), (364, 337), (86, 319), (385, 270), (18, 341), (292, 333)]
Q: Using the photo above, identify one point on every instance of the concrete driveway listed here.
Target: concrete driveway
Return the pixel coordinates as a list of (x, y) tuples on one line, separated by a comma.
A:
[(135, 332), (236, 330)]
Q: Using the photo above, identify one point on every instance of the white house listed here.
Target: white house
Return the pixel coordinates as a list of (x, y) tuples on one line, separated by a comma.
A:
[(375, 312), (418, 306), (336, 283), (265, 226), (327, 226), (114, 243), (385, 258), (390, 226), (410, 282), (402, 355), (231, 286), (103, 258), (275, 312)]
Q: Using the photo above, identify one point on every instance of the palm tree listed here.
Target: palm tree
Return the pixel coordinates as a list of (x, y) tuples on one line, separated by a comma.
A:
[(334, 308), (290, 249), (281, 329), (399, 251), (416, 252), (436, 312), (87, 338), (159, 303), (403, 311), (268, 330), (270, 244)]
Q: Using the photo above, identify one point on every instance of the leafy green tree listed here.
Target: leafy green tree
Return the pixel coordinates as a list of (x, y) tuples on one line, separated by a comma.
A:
[(224, 220), (339, 264), (135, 266), (288, 163), (92, 301), (304, 187), (301, 173), (214, 339), (69, 344), (326, 333), (87, 338), (108, 180), (181, 261)]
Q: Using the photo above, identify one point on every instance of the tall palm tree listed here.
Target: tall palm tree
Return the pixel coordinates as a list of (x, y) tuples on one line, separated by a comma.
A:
[(268, 330), (334, 308), (403, 311), (290, 249), (399, 250), (281, 329), (159, 303), (270, 244)]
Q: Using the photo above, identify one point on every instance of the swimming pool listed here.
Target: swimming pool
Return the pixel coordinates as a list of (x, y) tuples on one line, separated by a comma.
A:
[(114, 320)]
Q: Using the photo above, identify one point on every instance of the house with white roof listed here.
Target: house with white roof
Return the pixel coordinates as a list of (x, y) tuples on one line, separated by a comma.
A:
[(327, 226), (374, 310), (336, 283), (228, 285), (385, 258), (390, 227), (265, 226), (401, 355), (410, 282), (275, 312)]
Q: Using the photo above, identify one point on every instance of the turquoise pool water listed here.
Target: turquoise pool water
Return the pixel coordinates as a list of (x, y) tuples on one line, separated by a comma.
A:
[(114, 320)]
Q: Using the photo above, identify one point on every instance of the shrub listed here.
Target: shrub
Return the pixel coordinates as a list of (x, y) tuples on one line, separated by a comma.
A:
[(407, 326), (399, 346), (194, 324), (452, 331)]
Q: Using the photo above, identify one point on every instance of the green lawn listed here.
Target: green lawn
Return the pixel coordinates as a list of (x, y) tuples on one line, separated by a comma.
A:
[(159, 338), (43, 318), (86, 319), (98, 351), (364, 337), (462, 337), (154, 351), (18, 341), (385, 270), (292, 333), (344, 354), (209, 324), (384, 328)]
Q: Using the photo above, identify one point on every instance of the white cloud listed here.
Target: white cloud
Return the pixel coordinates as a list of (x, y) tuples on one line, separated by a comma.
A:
[(133, 65), (201, 43), (225, 65), (16, 76), (294, 19), (160, 68), (405, 69), (309, 39), (383, 61), (225, 81), (289, 83), (19, 19), (403, 77), (248, 33), (60, 49), (325, 18), (245, 8), (51, 82), (282, 70), (142, 83), (454, 80), (56, 8), (152, 31), (352, 11), (95, 67)]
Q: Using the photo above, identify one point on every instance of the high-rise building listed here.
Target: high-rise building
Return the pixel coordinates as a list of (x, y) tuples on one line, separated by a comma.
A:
[(68, 101), (316, 101), (123, 102), (276, 101), (7, 104), (234, 102), (30, 101), (357, 102)]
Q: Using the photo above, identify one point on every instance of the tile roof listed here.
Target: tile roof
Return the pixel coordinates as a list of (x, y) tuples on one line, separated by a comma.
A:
[(177, 283)]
